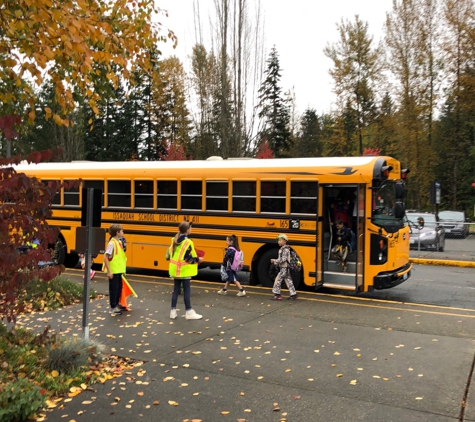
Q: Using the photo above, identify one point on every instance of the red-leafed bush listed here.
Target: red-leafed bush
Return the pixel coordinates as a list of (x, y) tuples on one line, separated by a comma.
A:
[(173, 152), (264, 151), (25, 205), (372, 151)]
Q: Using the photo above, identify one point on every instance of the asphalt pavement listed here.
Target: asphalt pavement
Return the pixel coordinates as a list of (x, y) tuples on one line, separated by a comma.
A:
[(320, 358)]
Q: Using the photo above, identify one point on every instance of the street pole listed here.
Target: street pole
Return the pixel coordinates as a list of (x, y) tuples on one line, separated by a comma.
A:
[(87, 267)]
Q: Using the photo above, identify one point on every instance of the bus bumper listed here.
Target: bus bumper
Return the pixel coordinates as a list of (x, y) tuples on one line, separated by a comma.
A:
[(393, 278)]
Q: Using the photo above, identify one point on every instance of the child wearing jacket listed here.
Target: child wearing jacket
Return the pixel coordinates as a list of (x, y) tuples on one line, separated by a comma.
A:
[(183, 265), (341, 248), (284, 271), (233, 247)]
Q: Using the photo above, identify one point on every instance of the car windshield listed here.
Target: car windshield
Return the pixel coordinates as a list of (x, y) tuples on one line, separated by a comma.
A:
[(451, 215), (429, 219)]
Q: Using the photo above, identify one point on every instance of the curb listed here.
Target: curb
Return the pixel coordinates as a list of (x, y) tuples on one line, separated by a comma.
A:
[(451, 263)]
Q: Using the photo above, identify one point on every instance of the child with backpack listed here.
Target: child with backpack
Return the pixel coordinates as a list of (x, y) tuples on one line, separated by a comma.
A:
[(284, 270), (82, 258), (233, 262), (342, 245)]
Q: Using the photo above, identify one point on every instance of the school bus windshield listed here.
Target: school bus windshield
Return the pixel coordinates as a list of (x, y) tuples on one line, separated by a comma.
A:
[(383, 204)]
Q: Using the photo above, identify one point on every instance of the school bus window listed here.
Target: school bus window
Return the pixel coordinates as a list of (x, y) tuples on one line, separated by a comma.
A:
[(167, 194), (71, 196), (216, 196), (57, 196), (273, 197), (143, 193), (244, 196), (303, 197), (191, 195), (118, 193), (95, 184)]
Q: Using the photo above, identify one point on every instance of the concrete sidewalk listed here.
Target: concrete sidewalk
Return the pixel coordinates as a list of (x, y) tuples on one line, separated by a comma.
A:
[(251, 359)]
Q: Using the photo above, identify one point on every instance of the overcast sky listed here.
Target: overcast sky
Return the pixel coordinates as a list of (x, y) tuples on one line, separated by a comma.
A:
[(300, 30)]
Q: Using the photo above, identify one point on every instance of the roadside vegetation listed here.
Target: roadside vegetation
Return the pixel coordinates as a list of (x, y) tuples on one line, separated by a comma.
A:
[(39, 370)]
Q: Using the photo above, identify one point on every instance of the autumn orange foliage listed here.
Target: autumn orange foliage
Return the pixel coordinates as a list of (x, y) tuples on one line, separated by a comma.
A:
[(79, 44)]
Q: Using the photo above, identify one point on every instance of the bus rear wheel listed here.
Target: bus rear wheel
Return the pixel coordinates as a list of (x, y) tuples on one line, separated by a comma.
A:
[(69, 260), (266, 271)]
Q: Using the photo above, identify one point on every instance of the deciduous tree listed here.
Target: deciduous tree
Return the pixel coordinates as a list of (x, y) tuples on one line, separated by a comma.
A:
[(356, 71), (78, 44), (24, 208)]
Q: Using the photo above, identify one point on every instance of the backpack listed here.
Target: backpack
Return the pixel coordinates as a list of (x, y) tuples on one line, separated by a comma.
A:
[(295, 264), (238, 261), (352, 241)]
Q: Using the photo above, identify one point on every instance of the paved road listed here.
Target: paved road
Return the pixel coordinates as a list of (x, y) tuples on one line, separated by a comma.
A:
[(323, 357)]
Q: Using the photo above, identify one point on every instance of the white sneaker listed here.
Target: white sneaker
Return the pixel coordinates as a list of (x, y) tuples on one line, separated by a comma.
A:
[(243, 293), (115, 311), (191, 314), (222, 292), (173, 314)]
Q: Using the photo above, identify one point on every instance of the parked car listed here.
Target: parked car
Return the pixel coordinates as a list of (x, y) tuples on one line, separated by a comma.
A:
[(425, 231), (454, 223)]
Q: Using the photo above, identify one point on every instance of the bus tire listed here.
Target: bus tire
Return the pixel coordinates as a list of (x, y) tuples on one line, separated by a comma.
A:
[(296, 278), (264, 268), (62, 257), (59, 254)]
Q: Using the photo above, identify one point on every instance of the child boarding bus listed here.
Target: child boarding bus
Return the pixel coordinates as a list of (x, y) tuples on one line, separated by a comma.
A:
[(255, 200)]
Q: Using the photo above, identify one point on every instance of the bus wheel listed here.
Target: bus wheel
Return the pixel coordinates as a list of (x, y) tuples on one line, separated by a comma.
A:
[(266, 272), (59, 252), (296, 278), (62, 258)]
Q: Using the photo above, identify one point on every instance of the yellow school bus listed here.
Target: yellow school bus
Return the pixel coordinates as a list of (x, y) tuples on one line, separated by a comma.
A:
[(255, 200)]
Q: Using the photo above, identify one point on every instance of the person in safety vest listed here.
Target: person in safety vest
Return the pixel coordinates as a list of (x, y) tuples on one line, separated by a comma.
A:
[(183, 265), (115, 263)]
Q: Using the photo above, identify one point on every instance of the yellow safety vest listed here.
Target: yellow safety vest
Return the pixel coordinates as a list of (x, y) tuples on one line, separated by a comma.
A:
[(118, 262), (179, 268)]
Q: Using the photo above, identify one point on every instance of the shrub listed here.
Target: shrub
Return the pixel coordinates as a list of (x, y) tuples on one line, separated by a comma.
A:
[(59, 292), (20, 399), (69, 354)]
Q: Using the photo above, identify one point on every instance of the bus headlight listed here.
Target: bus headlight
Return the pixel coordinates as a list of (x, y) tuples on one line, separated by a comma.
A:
[(379, 250)]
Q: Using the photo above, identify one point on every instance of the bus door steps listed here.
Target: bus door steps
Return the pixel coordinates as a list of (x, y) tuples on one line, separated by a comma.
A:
[(339, 280), (333, 265), (337, 286)]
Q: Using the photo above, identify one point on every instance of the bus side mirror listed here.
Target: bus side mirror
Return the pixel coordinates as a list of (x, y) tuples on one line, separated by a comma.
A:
[(399, 210), (421, 222), (400, 191), (391, 227)]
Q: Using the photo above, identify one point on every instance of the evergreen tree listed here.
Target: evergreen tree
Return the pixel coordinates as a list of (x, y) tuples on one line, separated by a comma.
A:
[(273, 110), (458, 119), (385, 139), (110, 134), (46, 134), (309, 142)]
